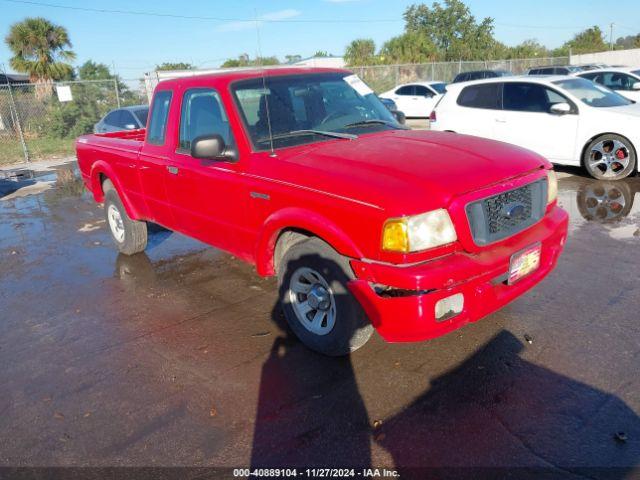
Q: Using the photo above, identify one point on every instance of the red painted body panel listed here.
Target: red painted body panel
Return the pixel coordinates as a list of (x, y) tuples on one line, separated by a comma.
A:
[(341, 191)]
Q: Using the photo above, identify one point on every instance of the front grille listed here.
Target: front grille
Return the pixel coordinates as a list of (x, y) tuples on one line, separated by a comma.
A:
[(500, 216)]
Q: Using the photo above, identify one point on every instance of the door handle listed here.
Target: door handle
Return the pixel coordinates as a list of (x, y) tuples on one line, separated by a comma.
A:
[(172, 170)]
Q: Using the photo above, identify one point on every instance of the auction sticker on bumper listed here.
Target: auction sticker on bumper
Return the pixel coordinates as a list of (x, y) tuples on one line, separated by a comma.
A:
[(524, 262)]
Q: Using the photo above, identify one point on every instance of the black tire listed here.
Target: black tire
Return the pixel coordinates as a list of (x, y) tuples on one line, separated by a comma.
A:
[(135, 232), (352, 328), (611, 169)]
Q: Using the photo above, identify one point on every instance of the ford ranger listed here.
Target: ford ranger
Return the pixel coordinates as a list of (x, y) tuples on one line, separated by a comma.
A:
[(305, 174)]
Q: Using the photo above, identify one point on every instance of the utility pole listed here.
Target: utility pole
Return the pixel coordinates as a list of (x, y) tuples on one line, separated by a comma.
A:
[(115, 83), (611, 35)]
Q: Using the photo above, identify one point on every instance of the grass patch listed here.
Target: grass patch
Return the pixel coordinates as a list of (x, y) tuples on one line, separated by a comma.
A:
[(39, 149)]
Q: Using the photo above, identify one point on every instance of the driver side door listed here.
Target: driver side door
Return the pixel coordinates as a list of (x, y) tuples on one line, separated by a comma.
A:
[(406, 100), (426, 101), (526, 121), (207, 196)]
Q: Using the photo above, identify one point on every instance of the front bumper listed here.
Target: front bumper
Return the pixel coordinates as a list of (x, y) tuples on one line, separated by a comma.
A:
[(479, 277)]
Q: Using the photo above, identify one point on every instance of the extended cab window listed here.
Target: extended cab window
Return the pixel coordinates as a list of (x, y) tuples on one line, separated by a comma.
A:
[(202, 114), (481, 96), (159, 114)]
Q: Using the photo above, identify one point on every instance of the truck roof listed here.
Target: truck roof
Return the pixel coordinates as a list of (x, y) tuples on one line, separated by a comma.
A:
[(240, 74)]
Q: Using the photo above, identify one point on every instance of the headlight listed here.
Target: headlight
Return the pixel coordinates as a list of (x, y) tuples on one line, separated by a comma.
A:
[(552, 188), (418, 232)]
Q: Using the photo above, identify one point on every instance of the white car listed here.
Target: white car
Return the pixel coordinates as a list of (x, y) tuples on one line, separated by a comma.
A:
[(416, 99), (625, 81), (569, 120)]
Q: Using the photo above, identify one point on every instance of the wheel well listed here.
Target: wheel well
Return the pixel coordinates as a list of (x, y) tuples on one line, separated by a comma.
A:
[(584, 148), (286, 239)]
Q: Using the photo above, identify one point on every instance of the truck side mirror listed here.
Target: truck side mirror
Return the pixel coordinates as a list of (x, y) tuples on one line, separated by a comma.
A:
[(211, 147), (635, 86)]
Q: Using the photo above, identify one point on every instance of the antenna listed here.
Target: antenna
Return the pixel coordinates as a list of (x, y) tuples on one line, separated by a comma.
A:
[(264, 85)]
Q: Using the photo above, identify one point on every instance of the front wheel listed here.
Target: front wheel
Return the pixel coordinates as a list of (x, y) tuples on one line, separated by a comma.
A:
[(317, 304), (610, 157)]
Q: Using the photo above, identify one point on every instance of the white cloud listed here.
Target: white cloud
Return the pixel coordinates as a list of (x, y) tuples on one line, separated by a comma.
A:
[(252, 24)]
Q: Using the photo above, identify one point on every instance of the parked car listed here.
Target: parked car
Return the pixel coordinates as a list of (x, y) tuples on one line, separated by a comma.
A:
[(593, 66), (625, 81), (569, 120), (480, 74), (393, 108), (416, 100), (304, 173), (555, 70), (126, 118)]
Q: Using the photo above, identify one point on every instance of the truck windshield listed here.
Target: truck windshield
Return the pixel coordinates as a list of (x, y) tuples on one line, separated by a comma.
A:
[(592, 94), (286, 110)]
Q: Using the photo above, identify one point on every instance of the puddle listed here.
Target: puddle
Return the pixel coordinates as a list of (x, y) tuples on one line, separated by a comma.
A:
[(612, 206)]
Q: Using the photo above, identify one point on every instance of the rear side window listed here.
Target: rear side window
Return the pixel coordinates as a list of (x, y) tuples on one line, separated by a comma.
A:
[(159, 114), (481, 96), (202, 115)]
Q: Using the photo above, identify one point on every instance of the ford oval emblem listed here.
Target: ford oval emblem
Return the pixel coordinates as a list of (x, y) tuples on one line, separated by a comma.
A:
[(514, 211)]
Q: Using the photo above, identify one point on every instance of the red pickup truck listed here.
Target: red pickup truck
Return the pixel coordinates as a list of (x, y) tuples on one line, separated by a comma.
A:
[(304, 173)]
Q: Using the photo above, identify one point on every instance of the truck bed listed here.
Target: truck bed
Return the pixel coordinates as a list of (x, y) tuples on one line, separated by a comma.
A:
[(111, 147)]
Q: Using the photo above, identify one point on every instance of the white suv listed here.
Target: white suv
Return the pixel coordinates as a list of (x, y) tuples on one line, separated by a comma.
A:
[(569, 120)]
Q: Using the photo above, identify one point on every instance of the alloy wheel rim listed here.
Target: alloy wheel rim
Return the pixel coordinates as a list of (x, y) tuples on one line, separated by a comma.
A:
[(115, 223), (609, 157), (312, 300)]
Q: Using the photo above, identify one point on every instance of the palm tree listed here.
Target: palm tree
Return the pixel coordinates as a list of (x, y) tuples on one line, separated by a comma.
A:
[(40, 48)]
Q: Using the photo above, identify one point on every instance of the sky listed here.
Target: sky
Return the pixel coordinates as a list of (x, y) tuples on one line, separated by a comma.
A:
[(136, 43)]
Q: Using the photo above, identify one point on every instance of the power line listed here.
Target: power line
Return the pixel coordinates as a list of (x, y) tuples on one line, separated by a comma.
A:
[(198, 17)]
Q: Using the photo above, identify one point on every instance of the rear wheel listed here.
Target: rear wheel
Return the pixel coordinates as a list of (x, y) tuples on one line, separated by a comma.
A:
[(610, 157), (316, 301), (130, 236)]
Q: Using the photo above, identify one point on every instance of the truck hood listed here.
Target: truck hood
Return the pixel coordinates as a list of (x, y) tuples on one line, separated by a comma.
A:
[(409, 171)]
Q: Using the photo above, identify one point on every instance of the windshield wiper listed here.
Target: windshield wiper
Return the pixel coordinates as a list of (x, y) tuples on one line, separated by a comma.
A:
[(294, 133), (375, 122)]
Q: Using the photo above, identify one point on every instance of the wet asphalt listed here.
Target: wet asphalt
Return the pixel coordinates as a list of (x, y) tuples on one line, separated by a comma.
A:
[(179, 357)]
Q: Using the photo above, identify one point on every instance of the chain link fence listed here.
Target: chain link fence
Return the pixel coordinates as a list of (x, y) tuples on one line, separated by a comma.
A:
[(41, 120), (384, 77)]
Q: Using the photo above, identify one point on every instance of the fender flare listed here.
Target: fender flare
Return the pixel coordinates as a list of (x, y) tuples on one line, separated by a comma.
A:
[(99, 168), (307, 221)]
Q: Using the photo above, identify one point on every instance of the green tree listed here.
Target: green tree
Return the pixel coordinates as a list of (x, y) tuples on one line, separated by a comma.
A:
[(91, 70), (245, 61), (528, 49), (452, 29), (175, 66), (588, 41), (630, 41), (292, 58), (40, 49), (361, 51), (410, 47)]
